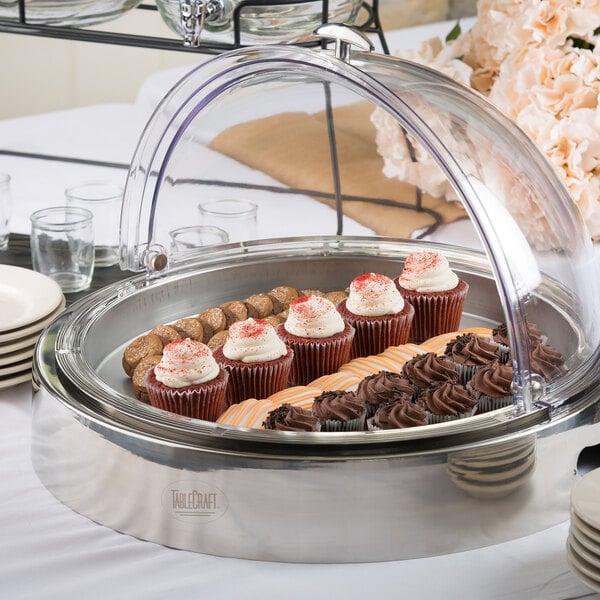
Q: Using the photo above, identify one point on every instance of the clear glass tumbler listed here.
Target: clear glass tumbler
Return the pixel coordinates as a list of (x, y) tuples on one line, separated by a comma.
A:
[(236, 217), (104, 200), (186, 239), (62, 246), (5, 209)]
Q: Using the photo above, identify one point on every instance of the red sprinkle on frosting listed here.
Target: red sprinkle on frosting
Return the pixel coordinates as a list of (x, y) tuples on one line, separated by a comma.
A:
[(250, 328), (420, 262), (364, 282), (187, 348)]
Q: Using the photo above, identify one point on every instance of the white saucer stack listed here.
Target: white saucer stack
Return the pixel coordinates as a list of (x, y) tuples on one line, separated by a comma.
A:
[(29, 301), (583, 543)]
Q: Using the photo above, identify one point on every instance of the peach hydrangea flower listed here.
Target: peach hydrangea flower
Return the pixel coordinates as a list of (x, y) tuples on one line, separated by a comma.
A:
[(538, 61)]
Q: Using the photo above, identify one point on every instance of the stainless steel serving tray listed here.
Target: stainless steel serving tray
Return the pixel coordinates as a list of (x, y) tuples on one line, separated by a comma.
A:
[(292, 497)]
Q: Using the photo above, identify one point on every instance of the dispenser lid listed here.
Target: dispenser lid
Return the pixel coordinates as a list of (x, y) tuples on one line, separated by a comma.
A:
[(212, 138)]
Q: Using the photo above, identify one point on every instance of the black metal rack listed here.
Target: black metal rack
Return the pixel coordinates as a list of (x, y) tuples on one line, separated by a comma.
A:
[(368, 17), (370, 23)]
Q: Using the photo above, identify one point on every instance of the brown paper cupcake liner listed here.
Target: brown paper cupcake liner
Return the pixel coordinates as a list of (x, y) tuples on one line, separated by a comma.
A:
[(260, 380), (205, 401), (375, 334), (435, 313), (314, 358)]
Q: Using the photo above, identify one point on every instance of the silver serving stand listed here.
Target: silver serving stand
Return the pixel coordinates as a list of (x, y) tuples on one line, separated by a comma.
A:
[(283, 496)]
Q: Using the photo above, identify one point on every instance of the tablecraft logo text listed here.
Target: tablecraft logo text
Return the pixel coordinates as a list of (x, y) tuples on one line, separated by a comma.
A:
[(194, 501)]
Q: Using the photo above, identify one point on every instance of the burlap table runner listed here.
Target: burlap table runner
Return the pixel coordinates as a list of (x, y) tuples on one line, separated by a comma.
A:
[(294, 149)]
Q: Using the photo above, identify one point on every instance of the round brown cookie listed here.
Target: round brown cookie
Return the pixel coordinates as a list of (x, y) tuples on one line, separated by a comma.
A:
[(207, 332), (142, 346), (274, 320), (166, 333), (217, 340), (190, 327), (337, 296), (213, 318), (282, 296), (139, 375), (259, 306), (312, 293), (235, 310)]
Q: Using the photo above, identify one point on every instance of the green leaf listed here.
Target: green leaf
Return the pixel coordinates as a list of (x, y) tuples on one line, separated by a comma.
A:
[(579, 43), (454, 32)]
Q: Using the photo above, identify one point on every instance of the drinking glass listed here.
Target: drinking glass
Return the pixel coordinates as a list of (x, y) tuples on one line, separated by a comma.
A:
[(5, 209), (186, 239), (236, 217), (62, 246), (104, 200)]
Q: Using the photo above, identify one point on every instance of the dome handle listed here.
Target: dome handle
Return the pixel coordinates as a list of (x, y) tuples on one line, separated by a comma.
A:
[(344, 37)]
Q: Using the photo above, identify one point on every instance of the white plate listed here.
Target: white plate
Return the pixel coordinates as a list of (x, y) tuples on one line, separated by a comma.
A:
[(593, 534), (582, 565), (36, 327), (590, 557), (593, 585), (24, 365), (585, 498), (26, 342), (25, 297), (18, 356), (15, 379), (584, 539)]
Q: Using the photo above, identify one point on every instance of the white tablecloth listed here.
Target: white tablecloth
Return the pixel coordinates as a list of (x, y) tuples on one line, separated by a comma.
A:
[(49, 552)]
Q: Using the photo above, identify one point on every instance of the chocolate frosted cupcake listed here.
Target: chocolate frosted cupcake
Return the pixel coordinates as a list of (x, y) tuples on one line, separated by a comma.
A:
[(500, 337), (492, 386), (469, 353), (291, 418), (436, 293), (318, 336), (378, 313), (383, 387), (446, 402), (188, 381), (339, 411), (426, 369), (257, 360), (397, 415), (545, 360)]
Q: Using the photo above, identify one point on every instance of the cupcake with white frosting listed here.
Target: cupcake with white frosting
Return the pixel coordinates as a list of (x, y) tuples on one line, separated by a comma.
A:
[(257, 360), (319, 337), (435, 291), (188, 381), (378, 313)]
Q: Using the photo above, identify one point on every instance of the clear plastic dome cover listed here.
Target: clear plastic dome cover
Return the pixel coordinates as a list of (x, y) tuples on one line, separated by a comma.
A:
[(217, 130)]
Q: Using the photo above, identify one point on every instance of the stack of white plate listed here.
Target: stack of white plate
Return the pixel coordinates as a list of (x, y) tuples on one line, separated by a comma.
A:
[(583, 543), (29, 301)]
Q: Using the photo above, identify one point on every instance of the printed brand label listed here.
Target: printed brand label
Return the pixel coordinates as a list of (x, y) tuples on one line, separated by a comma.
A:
[(194, 501)]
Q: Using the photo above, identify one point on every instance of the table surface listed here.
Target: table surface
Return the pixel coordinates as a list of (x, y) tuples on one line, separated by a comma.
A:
[(49, 551)]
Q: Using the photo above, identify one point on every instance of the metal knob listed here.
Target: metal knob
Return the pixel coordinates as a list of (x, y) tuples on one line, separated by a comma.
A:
[(344, 37), (155, 259)]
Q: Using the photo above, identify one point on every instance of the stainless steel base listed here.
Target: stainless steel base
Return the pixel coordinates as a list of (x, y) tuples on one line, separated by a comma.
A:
[(287, 497)]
